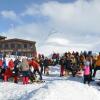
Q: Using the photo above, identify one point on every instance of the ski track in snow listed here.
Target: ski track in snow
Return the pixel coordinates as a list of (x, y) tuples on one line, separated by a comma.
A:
[(55, 88)]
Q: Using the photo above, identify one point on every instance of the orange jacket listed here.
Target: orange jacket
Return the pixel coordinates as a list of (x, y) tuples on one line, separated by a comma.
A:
[(98, 61), (34, 64)]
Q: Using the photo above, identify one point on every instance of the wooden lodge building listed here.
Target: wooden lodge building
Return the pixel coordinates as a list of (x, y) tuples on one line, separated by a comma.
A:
[(17, 47)]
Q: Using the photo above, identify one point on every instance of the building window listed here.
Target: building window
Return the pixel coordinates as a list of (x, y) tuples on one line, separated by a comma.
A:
[(1, 46), (31, 46), (12, 46), (25, 46), (6, 46), (19, 46)]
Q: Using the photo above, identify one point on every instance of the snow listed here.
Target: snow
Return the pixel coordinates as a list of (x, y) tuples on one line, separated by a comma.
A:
[(98, 74), (55, 88)]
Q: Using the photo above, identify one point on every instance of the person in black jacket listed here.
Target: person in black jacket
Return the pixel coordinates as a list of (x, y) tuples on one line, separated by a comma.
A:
[(46, 66), (70, 66), (16, 69), (41, 62)]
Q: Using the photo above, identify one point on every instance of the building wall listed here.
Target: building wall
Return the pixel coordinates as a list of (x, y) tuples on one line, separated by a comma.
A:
[(15, 47)]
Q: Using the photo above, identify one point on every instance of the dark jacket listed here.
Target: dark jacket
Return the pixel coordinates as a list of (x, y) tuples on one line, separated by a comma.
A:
[(16, 63)]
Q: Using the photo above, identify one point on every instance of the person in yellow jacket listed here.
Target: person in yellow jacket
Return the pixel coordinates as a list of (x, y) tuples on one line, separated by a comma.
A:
[(97, 65)]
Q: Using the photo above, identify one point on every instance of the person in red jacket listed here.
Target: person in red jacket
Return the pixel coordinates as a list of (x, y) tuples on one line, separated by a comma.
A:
[(62, 61), (36, 67), (8, 73), (11, 64)]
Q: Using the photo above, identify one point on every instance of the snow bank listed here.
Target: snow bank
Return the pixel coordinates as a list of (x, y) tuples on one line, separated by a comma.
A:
[(55, 88), (11, 91), (71, 91)]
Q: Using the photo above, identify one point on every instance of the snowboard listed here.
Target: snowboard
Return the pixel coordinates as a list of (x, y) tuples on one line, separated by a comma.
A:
[(37, 81)]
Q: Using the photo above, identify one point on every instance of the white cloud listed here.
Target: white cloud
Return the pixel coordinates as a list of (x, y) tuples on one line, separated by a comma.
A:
[(77, 25), (59, 41), (9, 14), (33, 31), (31, 10), (78, 16)]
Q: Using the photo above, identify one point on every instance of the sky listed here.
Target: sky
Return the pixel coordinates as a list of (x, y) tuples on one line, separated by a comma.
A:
[(55, 25)]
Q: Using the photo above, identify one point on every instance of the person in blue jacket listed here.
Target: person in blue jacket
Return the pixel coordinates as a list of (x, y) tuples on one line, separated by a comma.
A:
[(4, 64)]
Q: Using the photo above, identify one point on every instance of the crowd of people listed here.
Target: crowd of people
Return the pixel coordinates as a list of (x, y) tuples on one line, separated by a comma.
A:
[(77, 62), (69, 62), (17, 68)]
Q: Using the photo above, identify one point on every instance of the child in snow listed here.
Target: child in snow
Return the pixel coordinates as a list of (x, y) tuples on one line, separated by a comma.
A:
[(87, 71)]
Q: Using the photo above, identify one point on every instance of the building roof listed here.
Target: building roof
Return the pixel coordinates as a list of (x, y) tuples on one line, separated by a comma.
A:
[(17, 40), (2, 37)]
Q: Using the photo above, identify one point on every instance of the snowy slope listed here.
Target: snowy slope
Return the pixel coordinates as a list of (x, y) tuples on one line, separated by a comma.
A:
[(55, 88)]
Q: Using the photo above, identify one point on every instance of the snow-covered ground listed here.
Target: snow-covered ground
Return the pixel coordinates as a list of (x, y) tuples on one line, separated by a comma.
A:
[(55, 88)]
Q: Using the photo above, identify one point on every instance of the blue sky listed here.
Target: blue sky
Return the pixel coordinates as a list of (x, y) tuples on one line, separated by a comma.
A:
[(18, 6), (56, 25)]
